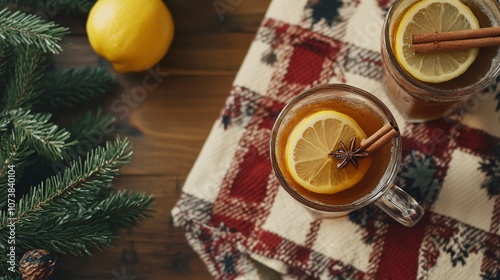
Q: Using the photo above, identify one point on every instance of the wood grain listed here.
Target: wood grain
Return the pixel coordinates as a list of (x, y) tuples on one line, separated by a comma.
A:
[(167, 115)]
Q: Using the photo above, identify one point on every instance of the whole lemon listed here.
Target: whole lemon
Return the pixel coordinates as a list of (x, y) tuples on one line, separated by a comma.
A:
[(133, 35)]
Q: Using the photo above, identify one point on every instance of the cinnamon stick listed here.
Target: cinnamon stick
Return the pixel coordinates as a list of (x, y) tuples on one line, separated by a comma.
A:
[(456, 35), (379, 139), (456, 45), (454, 40)]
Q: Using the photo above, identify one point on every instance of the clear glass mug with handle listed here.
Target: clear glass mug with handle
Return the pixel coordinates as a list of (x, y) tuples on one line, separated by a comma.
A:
[(377, 185), (419, 99)]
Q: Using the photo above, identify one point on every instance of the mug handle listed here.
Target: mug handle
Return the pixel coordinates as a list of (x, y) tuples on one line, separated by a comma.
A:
[(400, 206)]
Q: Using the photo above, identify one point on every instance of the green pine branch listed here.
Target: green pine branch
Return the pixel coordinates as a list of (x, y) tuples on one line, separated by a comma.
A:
[(4, 122), (80, 232), (13, 152), (88, 131), (27, 79), (100, 167), (93, 125), (74, 238), (5, 64), (88, 221), (69, 88), (46, 138), (54, 6), (18, 28), (123, 210)]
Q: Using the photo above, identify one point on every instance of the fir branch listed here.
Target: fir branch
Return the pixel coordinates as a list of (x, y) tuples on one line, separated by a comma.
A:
[(93, 126), (88, 131), (101, 166), (18, 28), (45, 137), (54, 6), (13, 152), (77, 232), (77, 239), (6, 54), (69, 88), (27, 79), (123, 210), (4, 122)]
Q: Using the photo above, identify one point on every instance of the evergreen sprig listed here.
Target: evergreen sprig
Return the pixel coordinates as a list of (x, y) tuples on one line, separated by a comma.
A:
[(91, 126), (13, 152), (86, 222), (27, 79), (4, 122), (18, 28), (5, 54), (45, 138), (100, 167), (73, 238), (69, 88), (87, 131), (122, 210)]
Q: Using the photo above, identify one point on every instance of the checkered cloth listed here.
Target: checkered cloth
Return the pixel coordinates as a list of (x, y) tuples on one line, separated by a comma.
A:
[(234, 211)]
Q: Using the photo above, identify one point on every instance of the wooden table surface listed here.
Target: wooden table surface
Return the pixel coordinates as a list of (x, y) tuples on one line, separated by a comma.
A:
[(167, 114)]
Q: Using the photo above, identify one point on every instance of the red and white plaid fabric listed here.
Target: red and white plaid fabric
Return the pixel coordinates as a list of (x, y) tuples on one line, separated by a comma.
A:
[(234, 211)]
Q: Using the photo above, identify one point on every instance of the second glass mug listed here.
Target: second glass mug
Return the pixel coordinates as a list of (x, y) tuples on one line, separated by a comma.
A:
[(384, 193), (418, 101)]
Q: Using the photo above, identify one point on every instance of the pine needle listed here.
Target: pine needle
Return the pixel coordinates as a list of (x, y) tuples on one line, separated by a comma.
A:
[(5, 65), (13, 152), (43, 136), (100, 167), (69, 88), (92, 126), (26, 81), (88, 131), (78, 232), (123, 210), (77, 239), (18, 28)]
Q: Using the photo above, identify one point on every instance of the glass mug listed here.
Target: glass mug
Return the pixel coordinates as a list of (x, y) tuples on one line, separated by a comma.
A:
[(420, 101), (377, 185)]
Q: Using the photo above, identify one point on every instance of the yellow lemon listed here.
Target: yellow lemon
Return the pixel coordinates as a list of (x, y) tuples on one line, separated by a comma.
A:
[(429, 16), (133, 35), (308, 148)]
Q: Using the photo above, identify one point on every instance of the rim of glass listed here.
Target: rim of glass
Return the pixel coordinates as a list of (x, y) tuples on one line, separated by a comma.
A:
[(387, 178), (453, 93)]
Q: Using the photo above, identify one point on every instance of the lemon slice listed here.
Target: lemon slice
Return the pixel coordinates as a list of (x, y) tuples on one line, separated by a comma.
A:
[(308, 147), (430, 16)]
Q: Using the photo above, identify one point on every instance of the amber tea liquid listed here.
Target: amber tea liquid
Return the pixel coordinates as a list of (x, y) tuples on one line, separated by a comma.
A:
[(420, 101), (368, 120)]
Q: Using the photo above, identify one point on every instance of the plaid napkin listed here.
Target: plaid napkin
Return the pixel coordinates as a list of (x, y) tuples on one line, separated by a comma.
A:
[(234, 211)]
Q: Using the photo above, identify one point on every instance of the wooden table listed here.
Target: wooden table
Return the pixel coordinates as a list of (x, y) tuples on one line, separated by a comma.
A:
[(168, 126)]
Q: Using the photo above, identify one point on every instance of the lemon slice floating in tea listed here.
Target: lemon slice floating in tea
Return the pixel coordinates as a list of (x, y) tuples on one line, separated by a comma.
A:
[(308, 147), (430, 16)]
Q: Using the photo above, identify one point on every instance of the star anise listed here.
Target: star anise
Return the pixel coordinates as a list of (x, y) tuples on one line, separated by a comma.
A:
[(351, 155)]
